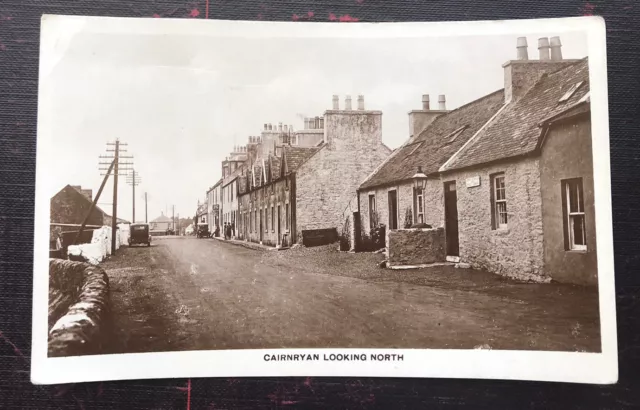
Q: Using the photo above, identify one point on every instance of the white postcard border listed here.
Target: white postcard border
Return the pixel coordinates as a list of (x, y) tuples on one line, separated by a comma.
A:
[(598, 368)]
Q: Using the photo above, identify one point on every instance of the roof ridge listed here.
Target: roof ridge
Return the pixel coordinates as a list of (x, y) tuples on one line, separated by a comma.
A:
[(440, 117)]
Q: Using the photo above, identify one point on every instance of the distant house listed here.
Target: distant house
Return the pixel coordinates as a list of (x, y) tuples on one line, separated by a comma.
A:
[(214, 201), (68, 209), (296, 190), (161, 224)]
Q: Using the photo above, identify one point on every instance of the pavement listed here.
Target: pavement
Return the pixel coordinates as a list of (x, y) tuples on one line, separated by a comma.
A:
[(198, 294)]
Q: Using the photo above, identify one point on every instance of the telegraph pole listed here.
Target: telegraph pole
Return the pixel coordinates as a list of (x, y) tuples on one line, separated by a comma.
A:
[(173, 218), (118, 166), (133, 179), (146, 219)]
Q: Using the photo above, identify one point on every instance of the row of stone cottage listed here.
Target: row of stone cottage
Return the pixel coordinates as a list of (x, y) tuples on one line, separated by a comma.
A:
[(509, 176)]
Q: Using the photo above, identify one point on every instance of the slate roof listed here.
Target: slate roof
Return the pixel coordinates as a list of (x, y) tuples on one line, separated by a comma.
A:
[(275, 167), (296, 156), (438, 142), (516, 130)]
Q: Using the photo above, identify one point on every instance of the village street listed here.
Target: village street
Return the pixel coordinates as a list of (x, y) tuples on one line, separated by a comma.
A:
[(192, 294)]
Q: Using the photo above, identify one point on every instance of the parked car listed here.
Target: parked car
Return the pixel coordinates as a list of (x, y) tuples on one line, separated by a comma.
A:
[(203, 231), (139, 234)]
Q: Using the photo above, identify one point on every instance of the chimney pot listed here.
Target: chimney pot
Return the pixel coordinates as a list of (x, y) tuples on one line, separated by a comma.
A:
[(280, 127), (442, 102), (361, 102), (270, 127), (336, 103), (265, 127), (425, 102), (543, 48), (347, 103), (523, 54), (556, 48)]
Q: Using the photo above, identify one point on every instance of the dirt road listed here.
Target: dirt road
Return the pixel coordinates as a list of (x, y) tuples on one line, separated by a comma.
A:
[(194, 294)]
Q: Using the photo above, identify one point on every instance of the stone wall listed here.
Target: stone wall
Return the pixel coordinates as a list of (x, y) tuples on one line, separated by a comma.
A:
[(415, 247), (255, 222), (79, 308), (327, 182), (515, 251)]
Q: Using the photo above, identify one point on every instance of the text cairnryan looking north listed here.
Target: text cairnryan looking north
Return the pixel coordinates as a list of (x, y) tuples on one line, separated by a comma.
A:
[(334, 357)]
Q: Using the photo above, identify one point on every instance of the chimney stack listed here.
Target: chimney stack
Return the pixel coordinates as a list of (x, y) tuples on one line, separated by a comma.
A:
[(442, 102), (336, 103), (425, 102), (523, 54), (361, 102), (543, 48), (556, 49), (347, 103)]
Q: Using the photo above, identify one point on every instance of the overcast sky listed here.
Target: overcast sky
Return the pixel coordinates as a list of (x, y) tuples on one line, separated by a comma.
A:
[(182, 102)]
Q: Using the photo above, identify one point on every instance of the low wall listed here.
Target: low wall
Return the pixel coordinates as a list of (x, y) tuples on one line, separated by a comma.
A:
[(79, 307), (415, 247)]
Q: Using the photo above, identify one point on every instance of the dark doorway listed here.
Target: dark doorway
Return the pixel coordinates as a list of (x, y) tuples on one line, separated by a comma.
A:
[(393, 210), (279, 234), (261, 221), (451, 218)]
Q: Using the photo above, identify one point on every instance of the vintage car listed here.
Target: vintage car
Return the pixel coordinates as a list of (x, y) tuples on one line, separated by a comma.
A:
[(203, 231), (139, 234)]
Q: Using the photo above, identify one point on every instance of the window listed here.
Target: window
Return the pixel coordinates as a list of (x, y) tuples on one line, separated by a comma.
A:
[(231, 193), (573, 210), (266, 220), (273, 219), (498, 202), (570, 92), (418, 205), (286, 223), (372, 211)]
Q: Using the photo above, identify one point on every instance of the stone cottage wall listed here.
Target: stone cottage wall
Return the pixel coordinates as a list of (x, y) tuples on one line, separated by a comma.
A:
[(433, 203), (79, 308), (327, 182), (415, 247), (516, 251), (567, 154)]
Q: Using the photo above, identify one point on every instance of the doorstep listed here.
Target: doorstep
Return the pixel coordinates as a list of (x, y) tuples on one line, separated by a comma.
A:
[(424, 265)]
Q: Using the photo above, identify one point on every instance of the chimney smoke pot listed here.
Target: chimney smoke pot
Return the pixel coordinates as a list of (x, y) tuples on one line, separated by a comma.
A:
[(280, 127), (361, 102), (521, 45), (265, 127), (442, 102), (270, 127), (336, 102), (347, 103), (425, 102), (543, 48), (556, 48)]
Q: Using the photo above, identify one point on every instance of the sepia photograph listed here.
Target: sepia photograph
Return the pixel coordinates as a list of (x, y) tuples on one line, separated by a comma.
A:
[(240, 199)]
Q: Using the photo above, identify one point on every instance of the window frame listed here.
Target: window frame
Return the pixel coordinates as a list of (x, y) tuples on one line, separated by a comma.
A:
[(495, 202), (372, 209), (418, 200), (570, 216)]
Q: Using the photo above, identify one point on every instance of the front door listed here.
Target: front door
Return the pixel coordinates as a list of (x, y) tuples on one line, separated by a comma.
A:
[(261, 219), (393, 210), (451, 218), (278, 240)]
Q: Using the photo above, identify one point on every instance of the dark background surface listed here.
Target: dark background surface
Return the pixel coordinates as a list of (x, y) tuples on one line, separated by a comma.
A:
[(19, 42)]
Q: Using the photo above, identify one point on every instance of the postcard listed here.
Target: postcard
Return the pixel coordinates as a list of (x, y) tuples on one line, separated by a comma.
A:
[(235, 198)]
